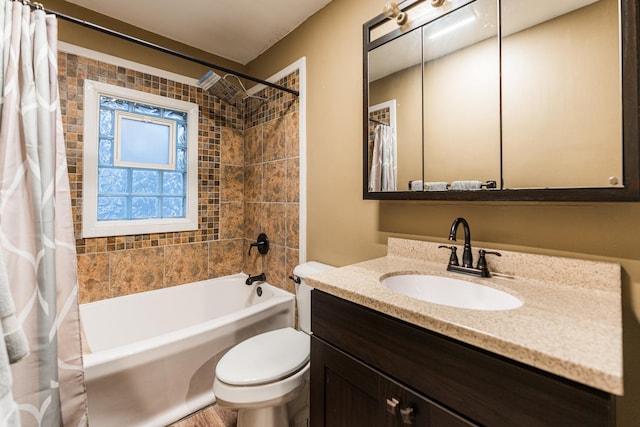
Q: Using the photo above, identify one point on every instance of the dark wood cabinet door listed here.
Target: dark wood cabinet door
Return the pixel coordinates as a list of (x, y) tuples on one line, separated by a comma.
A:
[(413, 409), (343, 390)]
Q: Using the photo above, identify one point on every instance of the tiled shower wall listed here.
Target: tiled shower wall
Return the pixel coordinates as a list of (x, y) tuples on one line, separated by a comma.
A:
[(229, 218), (272, 181)]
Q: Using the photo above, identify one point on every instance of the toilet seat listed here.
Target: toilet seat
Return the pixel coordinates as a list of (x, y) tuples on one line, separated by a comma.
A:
[(264, 358), (262, 395)]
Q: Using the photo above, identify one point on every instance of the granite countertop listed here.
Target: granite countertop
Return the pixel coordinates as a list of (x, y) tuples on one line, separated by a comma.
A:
[(570, 323)]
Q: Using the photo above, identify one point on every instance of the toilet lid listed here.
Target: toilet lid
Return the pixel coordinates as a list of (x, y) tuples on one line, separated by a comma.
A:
[(264, 358)]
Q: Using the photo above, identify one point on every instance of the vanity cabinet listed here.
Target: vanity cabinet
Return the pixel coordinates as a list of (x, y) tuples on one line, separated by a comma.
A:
[(356, 395), (363, 362)]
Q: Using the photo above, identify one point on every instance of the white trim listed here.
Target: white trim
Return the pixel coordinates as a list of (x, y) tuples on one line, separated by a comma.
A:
[(91, 227), (99, 56), (117, 141), (301, 66)]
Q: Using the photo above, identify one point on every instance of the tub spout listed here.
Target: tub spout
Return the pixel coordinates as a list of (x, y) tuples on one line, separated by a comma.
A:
[(259, 278)]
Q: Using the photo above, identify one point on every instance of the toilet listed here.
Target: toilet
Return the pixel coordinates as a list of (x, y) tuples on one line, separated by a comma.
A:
[(266, 377)]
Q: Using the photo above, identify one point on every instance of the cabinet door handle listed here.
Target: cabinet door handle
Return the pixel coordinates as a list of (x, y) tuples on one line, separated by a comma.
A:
[(392, 405), (407, 415)]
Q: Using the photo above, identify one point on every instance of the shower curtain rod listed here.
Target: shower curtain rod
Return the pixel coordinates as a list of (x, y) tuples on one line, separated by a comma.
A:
[(378, 122), (160, 48)]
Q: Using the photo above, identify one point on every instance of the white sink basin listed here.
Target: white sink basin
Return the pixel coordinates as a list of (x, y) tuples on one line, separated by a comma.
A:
[(451, 292)]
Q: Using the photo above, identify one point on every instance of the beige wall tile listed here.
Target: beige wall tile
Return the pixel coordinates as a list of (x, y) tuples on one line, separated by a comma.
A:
[(93, 277), (275, 185), (225, 257), (232, 183), (186, 263), (253, 220), (231, 220), (136, 270), (292, 135), (293, 179), (253, 146), (274, 143), (275, 266), (292, 225), (253, 184), (231, 147), (274, 220)]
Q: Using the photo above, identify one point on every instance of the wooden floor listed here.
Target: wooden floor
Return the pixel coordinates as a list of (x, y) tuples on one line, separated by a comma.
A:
[(211, 416)]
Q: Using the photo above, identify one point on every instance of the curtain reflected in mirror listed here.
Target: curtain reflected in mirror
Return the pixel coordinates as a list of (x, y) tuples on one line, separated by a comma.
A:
[(383, 150)]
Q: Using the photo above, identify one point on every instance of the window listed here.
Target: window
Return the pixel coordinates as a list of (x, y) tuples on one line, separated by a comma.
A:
[(140, 162)]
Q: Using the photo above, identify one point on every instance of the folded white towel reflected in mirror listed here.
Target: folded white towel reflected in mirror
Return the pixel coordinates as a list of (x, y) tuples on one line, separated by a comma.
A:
[(419, 185), (466, 185), (436, 186)]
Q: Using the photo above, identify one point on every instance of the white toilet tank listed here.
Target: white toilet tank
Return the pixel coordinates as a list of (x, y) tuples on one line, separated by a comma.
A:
[(303, 291)]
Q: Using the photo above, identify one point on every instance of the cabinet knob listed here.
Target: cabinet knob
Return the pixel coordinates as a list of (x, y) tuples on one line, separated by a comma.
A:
[(407, 416), (392, 405)]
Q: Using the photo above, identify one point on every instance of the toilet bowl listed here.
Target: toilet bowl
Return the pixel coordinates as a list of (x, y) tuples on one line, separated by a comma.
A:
[(266, 377)]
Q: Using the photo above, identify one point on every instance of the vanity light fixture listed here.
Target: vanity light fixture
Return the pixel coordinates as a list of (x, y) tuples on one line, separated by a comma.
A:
[(392, 10)]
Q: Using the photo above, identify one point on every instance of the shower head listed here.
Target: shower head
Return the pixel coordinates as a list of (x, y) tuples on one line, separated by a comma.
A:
[(218, 86), (228, 92), (208, 80)]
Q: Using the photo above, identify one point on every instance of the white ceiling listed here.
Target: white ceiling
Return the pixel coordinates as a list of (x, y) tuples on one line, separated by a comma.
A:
[(238, 30)]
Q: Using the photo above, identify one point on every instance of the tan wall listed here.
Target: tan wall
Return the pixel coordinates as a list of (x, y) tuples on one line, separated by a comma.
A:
[(343, 228)]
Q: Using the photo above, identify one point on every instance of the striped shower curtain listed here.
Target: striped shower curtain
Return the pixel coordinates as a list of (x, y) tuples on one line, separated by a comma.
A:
[(37, 243), (384, 165)]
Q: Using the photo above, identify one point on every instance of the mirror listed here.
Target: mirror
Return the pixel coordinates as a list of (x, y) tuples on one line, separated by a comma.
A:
[(393, 90), (461, 92), (563, 61), (509, 100)]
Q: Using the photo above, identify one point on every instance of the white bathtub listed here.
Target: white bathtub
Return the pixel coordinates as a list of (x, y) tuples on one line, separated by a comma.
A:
[(151, 356)]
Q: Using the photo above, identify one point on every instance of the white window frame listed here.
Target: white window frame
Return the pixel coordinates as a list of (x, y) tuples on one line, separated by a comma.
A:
[(91, 227), (117, 141)]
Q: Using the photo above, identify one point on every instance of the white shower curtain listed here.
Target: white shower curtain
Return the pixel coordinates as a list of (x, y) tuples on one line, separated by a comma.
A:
[(384, 173), (37, 242)]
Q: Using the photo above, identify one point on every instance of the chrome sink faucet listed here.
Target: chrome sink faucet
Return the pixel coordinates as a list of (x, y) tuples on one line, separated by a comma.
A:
[(467, 267)]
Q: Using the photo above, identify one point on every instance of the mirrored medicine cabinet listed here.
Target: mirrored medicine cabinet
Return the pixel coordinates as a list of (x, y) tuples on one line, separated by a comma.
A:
[(502, 100)]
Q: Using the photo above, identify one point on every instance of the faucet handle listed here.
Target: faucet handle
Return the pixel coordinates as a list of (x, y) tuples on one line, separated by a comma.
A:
[(453, 259), (482, 261), (262, 243)]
